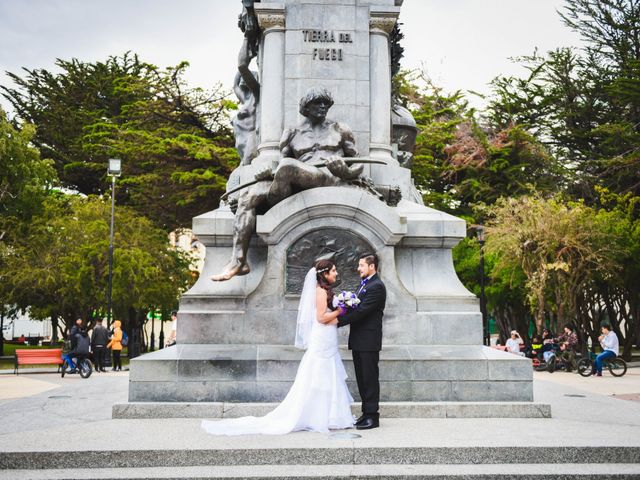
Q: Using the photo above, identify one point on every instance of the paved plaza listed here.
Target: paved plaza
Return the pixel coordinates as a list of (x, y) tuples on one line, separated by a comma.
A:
[(43, 413)]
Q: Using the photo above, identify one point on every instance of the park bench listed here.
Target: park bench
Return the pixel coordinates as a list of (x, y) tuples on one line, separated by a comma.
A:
[(39, 356)]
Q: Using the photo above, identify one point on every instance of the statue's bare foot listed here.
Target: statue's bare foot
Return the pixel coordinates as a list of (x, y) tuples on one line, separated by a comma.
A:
[(231, 270)]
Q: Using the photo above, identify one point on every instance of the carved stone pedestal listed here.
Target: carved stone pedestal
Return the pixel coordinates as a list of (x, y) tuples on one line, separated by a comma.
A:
[(235, 338)]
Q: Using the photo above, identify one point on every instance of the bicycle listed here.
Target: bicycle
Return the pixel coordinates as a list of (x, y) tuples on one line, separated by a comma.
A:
[(84, 366), (554, 364), (616, 366)]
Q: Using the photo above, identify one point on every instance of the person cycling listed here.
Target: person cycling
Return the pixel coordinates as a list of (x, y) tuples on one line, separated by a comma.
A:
[(568, 342), (610, 348), (80, 346)]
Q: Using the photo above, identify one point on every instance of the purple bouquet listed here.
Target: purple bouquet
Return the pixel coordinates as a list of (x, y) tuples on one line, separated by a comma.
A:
[(346, 300)]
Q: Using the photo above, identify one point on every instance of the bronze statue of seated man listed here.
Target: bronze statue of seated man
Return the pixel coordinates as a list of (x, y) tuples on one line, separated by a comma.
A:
[(312, 156)]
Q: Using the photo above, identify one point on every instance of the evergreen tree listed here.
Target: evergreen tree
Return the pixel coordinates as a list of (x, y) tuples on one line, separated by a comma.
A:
[(585, 105), (25, 179), (174, 141)]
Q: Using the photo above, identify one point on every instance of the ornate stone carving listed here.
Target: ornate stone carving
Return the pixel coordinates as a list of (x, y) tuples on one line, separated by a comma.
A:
[(383, 21), (341, 246), (270, 20)]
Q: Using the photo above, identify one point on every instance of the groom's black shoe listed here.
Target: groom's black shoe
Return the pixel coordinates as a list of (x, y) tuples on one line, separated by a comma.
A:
[(368, 423), (360, 419)]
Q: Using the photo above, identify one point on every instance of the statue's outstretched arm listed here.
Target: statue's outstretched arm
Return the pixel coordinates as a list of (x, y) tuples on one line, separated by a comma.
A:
[(285, 143), (244, 59)]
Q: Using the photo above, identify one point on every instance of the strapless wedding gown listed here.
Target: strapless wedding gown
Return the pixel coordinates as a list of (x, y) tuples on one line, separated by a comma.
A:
[(318, 400)]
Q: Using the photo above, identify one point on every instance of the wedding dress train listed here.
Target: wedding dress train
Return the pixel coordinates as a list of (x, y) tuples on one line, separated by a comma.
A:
[(318, 400)]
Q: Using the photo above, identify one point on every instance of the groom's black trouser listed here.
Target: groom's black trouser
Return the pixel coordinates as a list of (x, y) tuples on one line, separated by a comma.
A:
[(367, 376)]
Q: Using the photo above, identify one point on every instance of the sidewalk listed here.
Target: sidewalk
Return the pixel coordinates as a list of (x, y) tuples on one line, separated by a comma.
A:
[(590, 426), (42, 402)]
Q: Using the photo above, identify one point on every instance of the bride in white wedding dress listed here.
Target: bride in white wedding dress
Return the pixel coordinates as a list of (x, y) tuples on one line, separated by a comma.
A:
[(319, 399)]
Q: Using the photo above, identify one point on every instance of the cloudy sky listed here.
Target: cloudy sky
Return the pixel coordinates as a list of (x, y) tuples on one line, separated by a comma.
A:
[(462, 44)]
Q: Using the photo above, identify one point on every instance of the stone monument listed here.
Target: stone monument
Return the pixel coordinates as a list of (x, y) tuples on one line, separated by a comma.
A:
[(235, 335)]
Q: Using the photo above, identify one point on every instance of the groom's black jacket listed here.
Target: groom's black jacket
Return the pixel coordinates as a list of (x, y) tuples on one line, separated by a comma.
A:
[(366, 319)]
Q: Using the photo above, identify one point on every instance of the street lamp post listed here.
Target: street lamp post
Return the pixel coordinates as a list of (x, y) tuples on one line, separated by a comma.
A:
[(113, 171), (161, 338), (486, 340), (2, 330)]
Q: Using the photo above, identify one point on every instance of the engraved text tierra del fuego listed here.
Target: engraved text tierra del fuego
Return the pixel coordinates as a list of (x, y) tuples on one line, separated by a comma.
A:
[(326, 36)]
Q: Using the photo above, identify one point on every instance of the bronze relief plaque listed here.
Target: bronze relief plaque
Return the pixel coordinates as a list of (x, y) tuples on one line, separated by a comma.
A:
[(341, 246)]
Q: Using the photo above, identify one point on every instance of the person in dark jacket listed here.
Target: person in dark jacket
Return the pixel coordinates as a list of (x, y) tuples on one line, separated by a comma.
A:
[(80, 345), (83, 344), (365, 338), (74, 330), (568, 342), (99, 340), (73, 342)]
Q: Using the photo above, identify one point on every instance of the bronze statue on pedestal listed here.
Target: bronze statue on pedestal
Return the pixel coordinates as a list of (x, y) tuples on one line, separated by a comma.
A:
[(313, 155)]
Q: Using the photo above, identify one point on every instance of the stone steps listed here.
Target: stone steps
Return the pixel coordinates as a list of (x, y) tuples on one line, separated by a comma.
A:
[(544, 471), (346, 454)]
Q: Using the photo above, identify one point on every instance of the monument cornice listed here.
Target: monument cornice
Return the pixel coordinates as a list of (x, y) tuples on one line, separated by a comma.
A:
[(383, 21)]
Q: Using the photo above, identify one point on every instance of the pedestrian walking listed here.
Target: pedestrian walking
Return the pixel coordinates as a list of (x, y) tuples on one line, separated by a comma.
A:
[(99, 341)]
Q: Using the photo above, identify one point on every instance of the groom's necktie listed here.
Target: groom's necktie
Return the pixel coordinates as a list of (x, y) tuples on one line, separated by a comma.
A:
[(363, 283)]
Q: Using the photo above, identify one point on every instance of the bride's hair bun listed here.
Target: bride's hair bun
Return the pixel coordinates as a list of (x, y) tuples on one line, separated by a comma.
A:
[(323, 265)]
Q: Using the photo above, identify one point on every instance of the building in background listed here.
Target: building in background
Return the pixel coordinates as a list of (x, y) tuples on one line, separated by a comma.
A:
[(183, 239), (187, 241), (22, 325)]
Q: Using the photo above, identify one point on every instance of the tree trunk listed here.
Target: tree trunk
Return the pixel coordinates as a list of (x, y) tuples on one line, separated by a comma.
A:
[(501, 319), (539, 319), (54, 330), (145, 337), (134, 346), (142, 316), (2, 332)]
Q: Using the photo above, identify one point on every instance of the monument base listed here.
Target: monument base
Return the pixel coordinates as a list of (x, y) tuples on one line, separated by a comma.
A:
[(235, 338), (264, 373)]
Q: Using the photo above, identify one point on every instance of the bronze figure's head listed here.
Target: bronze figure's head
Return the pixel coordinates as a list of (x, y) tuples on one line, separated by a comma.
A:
[(315, 95)]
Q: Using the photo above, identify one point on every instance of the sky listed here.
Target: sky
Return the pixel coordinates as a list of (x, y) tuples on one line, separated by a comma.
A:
[(460, 44)]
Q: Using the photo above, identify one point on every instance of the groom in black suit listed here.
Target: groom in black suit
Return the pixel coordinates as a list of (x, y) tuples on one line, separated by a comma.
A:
[(365, 338)]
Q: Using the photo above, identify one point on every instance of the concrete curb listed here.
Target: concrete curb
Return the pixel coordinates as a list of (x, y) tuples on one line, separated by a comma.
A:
[(359, 472), (341, 455), (138, 410)]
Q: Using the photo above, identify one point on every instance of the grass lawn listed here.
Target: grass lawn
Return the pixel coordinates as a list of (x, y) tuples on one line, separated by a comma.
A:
[(10, 348)]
